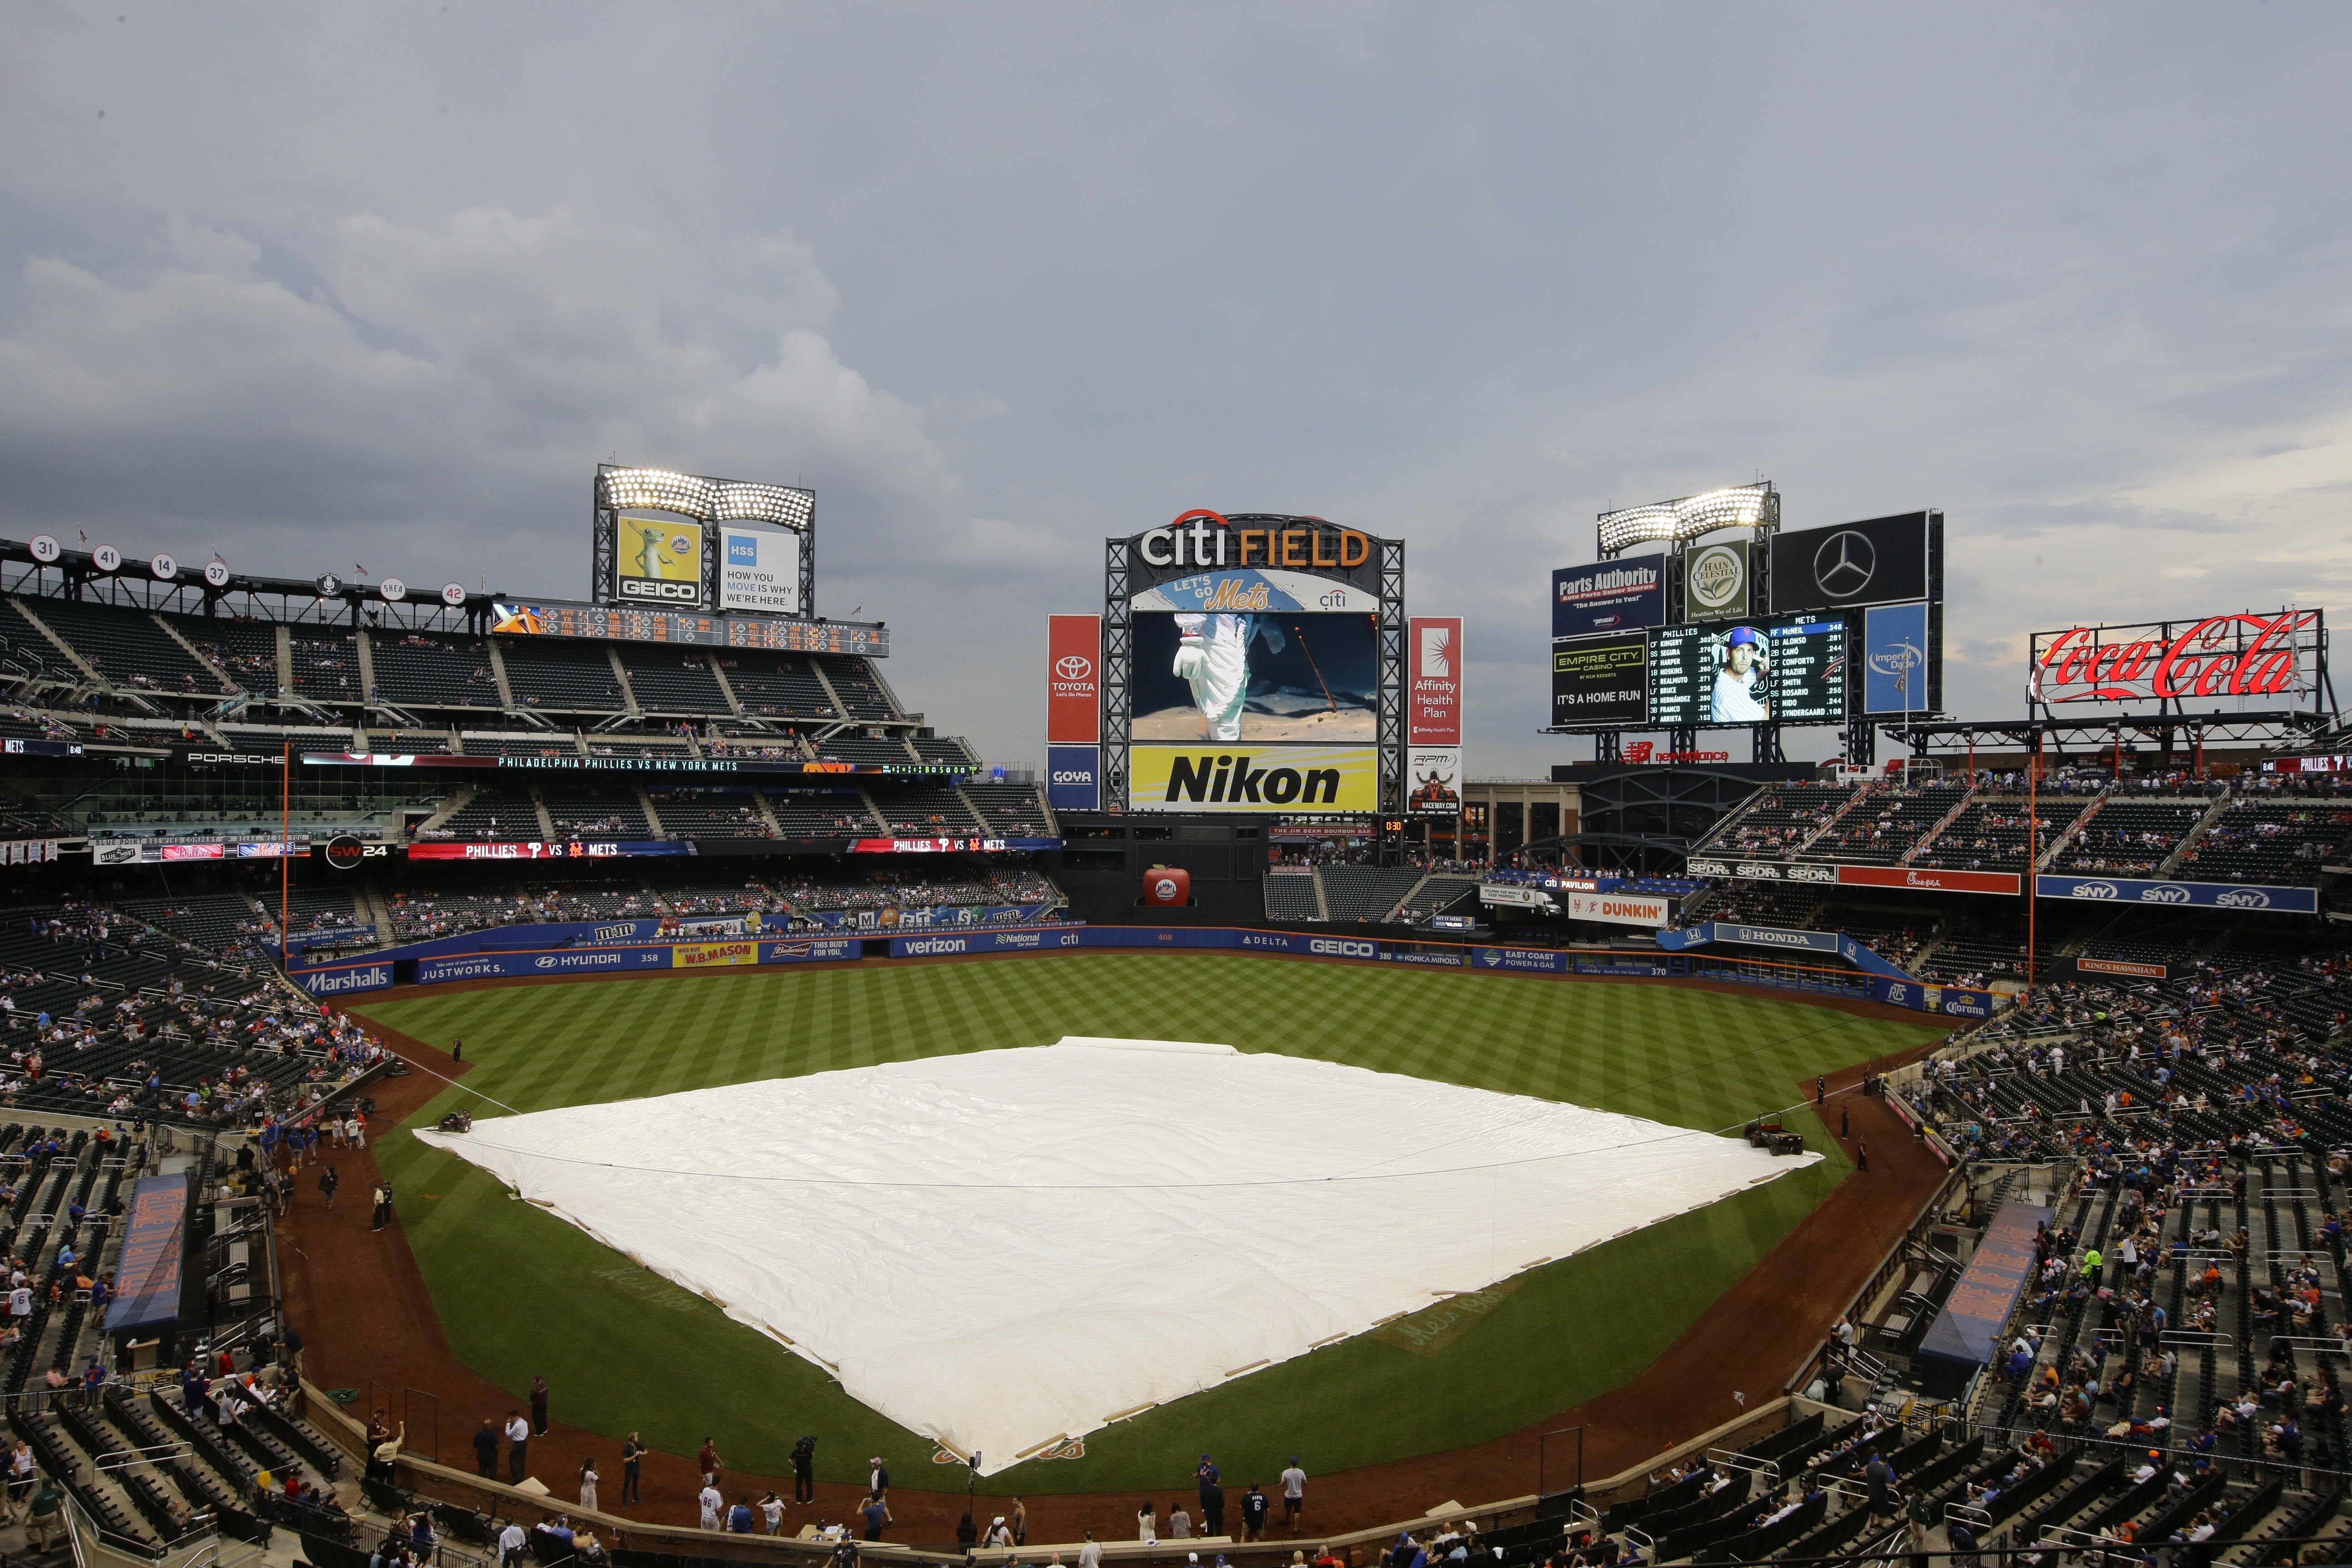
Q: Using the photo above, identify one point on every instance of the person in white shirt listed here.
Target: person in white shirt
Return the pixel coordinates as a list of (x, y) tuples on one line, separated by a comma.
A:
[(1146, 1525), (772, 1508), (1741, 686), (712, 1505), (512, 1542), (1293, 1494), (1090, 1555)]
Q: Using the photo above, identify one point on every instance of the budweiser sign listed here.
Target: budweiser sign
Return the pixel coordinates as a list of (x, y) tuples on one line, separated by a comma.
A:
[(2220, 656)]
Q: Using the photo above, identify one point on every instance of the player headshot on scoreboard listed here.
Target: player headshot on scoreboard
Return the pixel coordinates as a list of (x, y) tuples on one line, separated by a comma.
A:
[(1740, 694)]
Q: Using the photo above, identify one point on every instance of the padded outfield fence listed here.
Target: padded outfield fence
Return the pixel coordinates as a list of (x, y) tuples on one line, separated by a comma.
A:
[(517, 953)]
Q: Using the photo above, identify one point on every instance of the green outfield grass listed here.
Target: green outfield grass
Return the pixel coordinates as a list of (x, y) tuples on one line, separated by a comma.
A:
[(522, 1292)]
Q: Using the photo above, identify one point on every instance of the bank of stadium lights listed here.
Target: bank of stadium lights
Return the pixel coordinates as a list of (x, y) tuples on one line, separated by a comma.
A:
[(1741, 506), (705, 499)]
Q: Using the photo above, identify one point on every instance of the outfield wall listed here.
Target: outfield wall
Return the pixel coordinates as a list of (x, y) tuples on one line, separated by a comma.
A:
[(433, 963)]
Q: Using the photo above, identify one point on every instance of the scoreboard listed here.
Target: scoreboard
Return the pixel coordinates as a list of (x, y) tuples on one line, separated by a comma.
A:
[(1795, 674), (1599, 680)]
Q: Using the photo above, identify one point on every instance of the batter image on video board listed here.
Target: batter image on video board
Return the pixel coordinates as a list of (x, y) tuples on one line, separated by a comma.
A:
[(1263, 678), (1743, 683)]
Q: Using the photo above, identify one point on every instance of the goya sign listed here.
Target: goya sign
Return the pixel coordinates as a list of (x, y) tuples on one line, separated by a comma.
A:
[(2254, 655)]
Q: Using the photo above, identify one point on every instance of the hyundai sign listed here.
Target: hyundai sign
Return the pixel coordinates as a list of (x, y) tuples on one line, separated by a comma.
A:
[(1074, 778)]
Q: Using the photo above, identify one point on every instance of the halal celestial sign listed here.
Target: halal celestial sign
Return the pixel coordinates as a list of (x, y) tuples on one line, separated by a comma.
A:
[(2251, 654)]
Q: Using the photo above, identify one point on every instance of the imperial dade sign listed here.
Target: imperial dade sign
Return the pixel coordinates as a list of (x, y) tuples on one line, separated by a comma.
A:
[(2249, 655)]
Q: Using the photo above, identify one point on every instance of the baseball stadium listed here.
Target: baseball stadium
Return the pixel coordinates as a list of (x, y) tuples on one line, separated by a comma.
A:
[(510, 1076)]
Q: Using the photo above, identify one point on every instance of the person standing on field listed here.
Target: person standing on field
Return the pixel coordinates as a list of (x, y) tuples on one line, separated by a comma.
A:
[(1293, 1494)]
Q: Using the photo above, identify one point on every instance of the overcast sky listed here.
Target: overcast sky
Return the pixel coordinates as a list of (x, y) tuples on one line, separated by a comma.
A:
[(319, 286)]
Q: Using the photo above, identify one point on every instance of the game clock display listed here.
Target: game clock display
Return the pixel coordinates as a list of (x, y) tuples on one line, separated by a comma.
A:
[(1784, 671)]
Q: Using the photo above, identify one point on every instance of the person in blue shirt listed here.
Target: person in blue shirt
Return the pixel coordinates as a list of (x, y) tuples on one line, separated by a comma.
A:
[(739, 1517)]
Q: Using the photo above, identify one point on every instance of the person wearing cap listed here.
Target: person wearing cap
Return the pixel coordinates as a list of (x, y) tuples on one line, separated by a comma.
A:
[(878, 1483), (875, 1513), (1740, 688), (999, 1532)]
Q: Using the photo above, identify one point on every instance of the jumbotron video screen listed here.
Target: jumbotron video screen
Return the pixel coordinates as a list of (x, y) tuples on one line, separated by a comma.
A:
[(1262, 679)]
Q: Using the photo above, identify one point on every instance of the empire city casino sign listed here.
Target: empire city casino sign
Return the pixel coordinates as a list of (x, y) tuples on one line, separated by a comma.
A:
[(2220, 656)]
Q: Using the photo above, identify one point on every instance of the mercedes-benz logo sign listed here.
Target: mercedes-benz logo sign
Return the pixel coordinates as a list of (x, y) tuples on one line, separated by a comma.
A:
[(345, 853), (1073, 667), (1845, 563)]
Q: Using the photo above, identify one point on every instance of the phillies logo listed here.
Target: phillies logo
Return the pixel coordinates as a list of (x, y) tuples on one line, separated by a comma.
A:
[(2220, 656)]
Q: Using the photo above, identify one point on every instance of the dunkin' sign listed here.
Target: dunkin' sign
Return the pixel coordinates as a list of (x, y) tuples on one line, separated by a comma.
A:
[(2220, 656)]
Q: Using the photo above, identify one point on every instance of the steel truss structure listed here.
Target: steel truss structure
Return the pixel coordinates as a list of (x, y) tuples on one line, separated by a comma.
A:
[(708, 501), (1119, 658), (2277, 727)]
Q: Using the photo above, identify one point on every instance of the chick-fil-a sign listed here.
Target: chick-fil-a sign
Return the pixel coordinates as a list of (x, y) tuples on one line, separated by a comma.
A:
[(2220, 656)]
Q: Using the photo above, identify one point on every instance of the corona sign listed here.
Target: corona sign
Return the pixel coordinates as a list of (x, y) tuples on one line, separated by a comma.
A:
[(2218, 657)]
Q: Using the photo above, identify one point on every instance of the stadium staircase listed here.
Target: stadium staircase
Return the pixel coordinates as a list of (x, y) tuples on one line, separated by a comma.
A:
[(457, 801), (2205, 824), (632, 709), (1920, 846), (1853, 800), (881, 822), (2072, 831), (539, 805), (93, 679), (498, 675), (644, 801)]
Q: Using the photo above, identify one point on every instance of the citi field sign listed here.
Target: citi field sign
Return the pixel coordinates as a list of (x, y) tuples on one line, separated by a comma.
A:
[(1205, 538), (2220, 656)]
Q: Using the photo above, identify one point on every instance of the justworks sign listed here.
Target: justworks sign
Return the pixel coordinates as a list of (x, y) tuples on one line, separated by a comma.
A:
[(1205, 538), (1193, 778)]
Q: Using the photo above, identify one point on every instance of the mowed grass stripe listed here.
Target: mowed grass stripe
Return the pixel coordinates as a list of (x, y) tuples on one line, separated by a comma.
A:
[(1566, 1332)]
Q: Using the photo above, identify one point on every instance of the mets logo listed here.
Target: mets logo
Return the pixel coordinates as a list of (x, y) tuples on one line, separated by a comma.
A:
[(1164, 888)]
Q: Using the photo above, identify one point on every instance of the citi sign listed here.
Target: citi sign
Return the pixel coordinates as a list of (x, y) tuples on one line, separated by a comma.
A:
[(2220, 656), (1205, 538)]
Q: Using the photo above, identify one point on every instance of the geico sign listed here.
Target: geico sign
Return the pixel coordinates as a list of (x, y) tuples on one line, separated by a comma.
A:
[(655, 588), (2220, 656), (1338, 947), (1205, 538)]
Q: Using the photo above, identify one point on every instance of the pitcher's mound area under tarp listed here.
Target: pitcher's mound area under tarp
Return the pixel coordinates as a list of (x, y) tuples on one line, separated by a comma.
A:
[(1006, 1248)]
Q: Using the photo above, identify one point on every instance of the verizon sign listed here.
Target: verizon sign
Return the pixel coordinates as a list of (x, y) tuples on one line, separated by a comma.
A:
[(1073, 679), (1433, 688), (2251, 654)]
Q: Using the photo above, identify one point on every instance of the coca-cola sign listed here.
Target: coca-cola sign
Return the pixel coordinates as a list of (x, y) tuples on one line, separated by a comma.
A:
[(2247, 655)]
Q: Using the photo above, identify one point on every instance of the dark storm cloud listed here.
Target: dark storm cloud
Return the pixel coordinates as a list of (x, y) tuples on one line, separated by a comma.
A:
[(324, 285)]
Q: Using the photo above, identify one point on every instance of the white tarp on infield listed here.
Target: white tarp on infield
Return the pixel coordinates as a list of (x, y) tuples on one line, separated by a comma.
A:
[(1003, 1248)]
